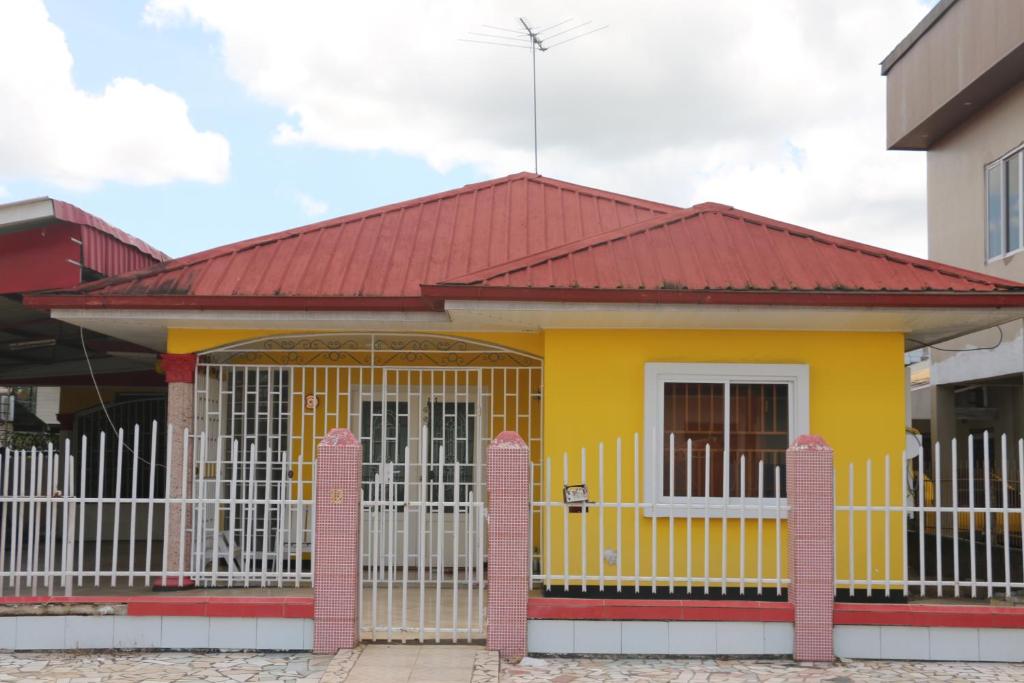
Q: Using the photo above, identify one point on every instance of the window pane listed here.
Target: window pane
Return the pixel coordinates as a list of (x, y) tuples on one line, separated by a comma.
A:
[(994, 204), (384, 430), (758, 430), (452, 428), (694, 411), (1013, 202)]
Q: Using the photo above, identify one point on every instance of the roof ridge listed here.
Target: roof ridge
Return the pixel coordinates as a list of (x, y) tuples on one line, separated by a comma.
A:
[(597, 192), (242, 245)]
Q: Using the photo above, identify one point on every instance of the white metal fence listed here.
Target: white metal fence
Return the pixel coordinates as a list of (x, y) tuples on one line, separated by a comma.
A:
[(953, 525), (423, 546), (949, 524), (695, 543), (57, 536)]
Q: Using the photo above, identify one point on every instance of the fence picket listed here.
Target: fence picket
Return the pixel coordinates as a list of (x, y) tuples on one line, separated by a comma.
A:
[(937, 487), (1005, 505), (5, 504)]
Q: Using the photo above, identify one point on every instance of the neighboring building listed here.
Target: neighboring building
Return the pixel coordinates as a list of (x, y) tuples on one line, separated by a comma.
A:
[(955, 89), (57, 371)]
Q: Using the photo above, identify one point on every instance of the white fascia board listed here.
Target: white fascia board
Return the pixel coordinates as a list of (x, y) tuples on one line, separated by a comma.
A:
[(249, 319), (149, 327), (930, 325), (13, 214)]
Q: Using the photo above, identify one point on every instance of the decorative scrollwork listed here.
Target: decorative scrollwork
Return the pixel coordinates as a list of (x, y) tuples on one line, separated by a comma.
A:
[(365, 350)]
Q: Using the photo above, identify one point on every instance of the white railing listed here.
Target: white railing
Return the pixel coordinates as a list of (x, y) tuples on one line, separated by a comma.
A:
[(704, 536), (241, 526), (952, 527)]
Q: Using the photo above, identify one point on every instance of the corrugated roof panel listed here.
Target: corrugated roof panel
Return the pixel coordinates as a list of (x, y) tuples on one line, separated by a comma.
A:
[(713, 247), (97, 226), (525, 230)]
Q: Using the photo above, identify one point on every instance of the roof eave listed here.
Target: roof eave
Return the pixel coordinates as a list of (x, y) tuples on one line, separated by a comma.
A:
[(268, 303), (922, 27), (434, 296), (817, 298)]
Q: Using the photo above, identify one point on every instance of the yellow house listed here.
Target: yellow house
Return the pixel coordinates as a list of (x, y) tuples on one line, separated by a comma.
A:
[(663, 358)]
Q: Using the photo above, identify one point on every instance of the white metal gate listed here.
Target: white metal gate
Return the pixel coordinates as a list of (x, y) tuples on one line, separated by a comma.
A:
[(440, 399), (423, 545)]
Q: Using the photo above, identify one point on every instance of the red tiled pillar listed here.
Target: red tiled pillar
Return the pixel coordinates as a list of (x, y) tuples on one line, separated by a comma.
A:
[(337, 565), (809, 489), (179, 373), (508, 543)]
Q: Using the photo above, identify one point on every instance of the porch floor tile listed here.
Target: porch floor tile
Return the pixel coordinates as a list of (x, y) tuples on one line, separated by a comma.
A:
[(419, 664)]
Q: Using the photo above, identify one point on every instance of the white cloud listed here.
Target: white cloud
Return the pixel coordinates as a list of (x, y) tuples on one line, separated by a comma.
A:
[(3, 191), (310, 206), (52, 130), (775, 107)]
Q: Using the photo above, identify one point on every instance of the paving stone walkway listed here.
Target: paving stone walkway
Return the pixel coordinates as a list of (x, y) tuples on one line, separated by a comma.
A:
[(151, 667), (571, 669), (474, 665)]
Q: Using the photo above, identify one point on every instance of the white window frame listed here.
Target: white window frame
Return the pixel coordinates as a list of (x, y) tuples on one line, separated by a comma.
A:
[(656, 375), (1004, 218)]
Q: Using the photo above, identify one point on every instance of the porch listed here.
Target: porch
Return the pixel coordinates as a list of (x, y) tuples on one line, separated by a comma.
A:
[(222, 501)]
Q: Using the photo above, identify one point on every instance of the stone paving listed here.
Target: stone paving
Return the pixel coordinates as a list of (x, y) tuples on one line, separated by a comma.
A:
[(153, 667), (570, 669), (238, 667)]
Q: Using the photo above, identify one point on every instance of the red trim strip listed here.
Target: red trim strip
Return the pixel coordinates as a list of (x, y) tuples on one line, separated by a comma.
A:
[(845, 613), (965, 299), (286, 607), (968, 616), (658, 610), (434, 296)]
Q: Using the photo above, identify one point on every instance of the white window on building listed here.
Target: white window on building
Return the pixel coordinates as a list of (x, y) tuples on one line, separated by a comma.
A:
[(727, 418), (1004, 223)]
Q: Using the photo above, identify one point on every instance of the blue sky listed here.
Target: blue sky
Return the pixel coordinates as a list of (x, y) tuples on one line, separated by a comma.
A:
[(260, 194), (382, 106)]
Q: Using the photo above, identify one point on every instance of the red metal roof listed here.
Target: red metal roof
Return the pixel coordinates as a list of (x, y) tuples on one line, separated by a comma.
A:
[(49, 244), (716, 247), (99, 240), (526, 237), (392, 250)]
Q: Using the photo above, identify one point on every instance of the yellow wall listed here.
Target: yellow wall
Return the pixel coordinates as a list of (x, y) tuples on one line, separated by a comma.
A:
[(594, 392)]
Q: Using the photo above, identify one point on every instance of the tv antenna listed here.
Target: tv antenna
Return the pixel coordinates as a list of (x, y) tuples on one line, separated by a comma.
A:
[(527, 37)]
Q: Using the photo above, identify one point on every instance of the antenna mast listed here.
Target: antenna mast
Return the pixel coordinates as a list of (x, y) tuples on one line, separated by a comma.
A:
[(534, 40), (535, 44)]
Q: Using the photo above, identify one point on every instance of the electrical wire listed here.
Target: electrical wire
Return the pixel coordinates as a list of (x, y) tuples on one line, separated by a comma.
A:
[(103, 404), (977, 348)]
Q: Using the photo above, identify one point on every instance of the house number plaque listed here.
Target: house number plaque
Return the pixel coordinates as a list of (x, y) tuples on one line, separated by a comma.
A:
[(576, 497)]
